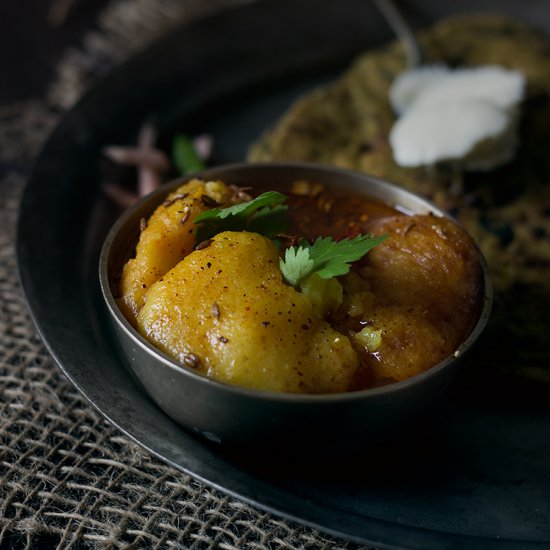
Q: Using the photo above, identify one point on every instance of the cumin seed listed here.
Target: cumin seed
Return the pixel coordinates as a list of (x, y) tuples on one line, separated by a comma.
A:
[(192, 361), (440, 231), (409, 227), (215, 310), (241, 192), (186, 215), (175, 198), (204, 244)]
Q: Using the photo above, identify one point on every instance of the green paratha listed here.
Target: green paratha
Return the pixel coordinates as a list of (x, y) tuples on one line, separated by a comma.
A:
[(507, 210)]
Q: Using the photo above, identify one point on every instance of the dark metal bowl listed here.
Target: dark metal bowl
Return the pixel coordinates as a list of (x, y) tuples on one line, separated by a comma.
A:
[(237, 416)]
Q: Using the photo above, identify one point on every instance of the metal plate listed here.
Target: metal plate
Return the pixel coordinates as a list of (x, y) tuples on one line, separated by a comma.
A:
[(478, 476)]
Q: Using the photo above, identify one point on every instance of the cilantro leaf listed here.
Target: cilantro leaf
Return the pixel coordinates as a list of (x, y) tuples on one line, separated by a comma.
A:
[(265, 215), (332, 258), (297, 265), (184, 155), (269, 221), (243, 209), (325, 257)]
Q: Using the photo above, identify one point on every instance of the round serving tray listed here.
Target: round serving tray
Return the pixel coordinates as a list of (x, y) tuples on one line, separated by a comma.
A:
[(478, 476)]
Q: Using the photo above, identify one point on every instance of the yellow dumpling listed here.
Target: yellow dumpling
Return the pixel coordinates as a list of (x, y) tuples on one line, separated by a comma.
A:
[(225, 311), (168, 236)]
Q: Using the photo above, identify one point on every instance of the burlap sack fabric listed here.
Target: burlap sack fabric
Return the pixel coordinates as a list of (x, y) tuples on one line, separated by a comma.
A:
[(67, 478)]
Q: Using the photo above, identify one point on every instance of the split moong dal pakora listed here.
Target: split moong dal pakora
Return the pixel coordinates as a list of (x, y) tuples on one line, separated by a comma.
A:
[(507, 210), (221, 307)]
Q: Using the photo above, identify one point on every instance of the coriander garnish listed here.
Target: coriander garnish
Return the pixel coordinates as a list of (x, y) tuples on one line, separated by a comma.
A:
[(265, 215), (325, 257)]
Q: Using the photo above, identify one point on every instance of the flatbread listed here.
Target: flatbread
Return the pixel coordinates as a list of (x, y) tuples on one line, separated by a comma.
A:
[(507, 210)]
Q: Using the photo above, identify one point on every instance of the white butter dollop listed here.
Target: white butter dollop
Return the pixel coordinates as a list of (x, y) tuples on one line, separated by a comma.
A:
[(467, 115)]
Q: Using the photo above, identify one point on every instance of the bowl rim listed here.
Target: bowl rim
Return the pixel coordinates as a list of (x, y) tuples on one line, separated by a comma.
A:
[(270, 395)]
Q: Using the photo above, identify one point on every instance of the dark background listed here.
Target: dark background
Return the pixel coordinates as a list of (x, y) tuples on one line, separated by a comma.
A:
[(33, 36)]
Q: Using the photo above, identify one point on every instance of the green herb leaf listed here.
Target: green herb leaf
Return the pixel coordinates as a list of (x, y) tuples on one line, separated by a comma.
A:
[(243, 209), (325, 257), (269, 221), (184, 155), (297, 265), (265, 215)]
